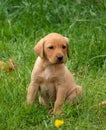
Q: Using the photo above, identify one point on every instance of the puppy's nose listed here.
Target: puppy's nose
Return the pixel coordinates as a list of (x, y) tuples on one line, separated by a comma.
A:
[(60, 58)]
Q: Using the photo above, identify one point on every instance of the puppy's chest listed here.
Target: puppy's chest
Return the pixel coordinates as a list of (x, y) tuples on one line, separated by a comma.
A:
[(47, 76), (47, 81)]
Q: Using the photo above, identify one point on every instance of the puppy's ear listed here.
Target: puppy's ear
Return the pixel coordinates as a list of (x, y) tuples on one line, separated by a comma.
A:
[(68, 48), (39, 48)]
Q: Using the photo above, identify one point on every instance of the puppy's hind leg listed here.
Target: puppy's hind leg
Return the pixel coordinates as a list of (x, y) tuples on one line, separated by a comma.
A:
[(43, 101), (74, 95)]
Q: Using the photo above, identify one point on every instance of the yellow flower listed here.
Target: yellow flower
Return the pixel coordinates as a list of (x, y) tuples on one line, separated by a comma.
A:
[(58, 123)]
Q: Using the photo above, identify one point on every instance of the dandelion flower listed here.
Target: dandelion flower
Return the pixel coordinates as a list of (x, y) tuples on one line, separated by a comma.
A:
[(58, 123)]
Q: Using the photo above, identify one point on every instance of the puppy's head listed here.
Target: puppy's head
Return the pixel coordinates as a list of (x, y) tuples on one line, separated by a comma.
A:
[(53, 47)]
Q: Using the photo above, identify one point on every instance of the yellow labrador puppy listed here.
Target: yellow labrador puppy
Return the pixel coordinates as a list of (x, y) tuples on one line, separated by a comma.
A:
[(50, 76)]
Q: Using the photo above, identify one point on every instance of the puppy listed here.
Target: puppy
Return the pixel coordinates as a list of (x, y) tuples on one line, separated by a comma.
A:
[(50, 76)]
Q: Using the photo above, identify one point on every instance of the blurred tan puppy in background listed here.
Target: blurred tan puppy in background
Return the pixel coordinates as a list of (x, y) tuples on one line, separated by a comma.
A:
[(50, 76)]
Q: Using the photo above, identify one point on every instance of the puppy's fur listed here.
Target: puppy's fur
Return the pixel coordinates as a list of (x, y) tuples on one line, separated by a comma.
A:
[(50, 76)]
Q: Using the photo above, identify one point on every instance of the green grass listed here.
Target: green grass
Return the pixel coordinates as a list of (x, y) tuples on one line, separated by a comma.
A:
[(22, 24)]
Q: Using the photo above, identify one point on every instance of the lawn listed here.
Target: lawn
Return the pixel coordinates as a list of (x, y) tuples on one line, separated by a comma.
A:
[(22, 24)]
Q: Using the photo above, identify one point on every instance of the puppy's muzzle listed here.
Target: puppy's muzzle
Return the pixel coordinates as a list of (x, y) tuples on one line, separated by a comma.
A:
[(60, 58)]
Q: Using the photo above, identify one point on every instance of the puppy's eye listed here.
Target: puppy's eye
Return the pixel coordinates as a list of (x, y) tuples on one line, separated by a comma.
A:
[(51, 47), (64, 47)]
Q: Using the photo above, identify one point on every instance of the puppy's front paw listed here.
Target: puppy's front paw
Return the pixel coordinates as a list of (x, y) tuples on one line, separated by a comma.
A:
[(57, 112), (54, 112)]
